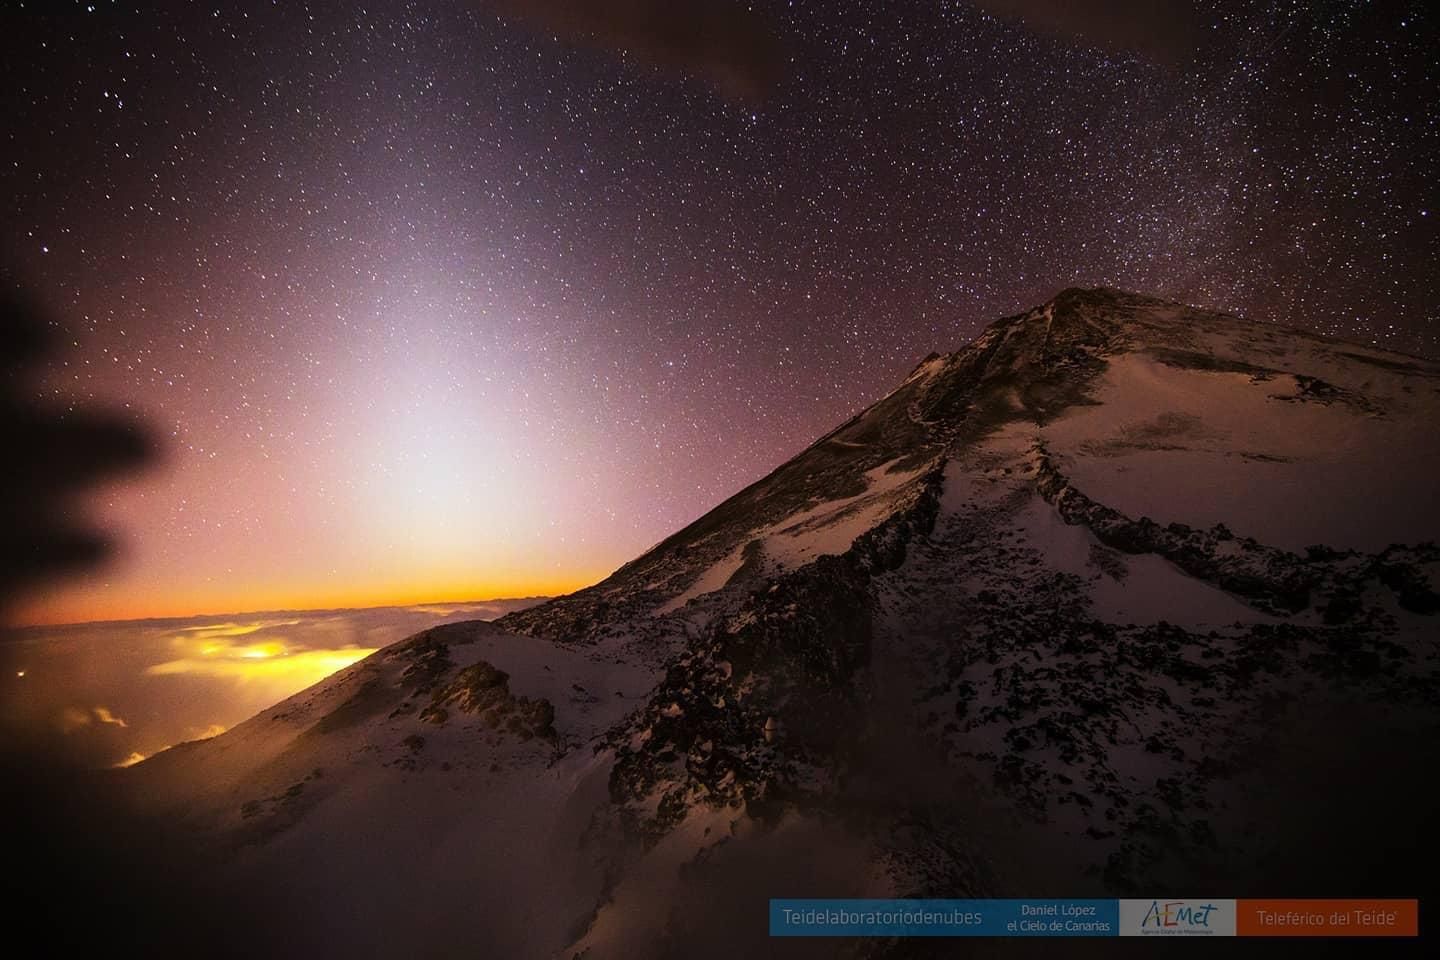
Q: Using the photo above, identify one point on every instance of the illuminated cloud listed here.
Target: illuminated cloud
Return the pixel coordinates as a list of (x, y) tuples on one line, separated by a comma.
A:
[(103, 715), (237, 651), (130, 761), (105, 694), (206, 630), (74, 718)]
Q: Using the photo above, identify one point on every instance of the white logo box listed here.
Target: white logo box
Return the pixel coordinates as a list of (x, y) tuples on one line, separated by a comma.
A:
[(1177, 917)]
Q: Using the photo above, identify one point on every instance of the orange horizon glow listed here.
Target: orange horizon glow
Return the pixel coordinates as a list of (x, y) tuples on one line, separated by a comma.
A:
[(70, 606)]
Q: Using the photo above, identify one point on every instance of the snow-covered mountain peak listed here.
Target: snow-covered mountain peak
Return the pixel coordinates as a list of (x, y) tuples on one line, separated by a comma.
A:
[(1073, 607)]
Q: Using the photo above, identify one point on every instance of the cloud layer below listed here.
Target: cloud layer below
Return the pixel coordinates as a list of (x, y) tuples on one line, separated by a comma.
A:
[(111, 694)]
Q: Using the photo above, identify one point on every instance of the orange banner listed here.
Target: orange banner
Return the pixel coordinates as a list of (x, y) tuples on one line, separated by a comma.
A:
[(1327, 918)]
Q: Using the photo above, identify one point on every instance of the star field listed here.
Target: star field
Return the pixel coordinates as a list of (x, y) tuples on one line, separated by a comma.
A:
[(429, 305)]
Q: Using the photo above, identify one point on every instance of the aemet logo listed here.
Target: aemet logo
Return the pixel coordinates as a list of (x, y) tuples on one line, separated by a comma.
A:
[(1159, 917), (1177, 913)]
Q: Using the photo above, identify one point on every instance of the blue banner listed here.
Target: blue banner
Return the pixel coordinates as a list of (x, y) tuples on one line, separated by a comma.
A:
[(944, 918)]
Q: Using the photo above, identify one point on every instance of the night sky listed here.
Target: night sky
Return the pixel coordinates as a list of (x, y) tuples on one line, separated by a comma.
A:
[(429, 303)]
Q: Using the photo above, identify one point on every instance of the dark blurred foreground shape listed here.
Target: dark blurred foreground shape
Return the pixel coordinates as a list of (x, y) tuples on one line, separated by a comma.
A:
[(51, 457), (81, 876)]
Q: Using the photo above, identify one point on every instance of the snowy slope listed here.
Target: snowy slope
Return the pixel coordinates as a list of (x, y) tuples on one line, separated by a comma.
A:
[(425, 773), (1074, 608)]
